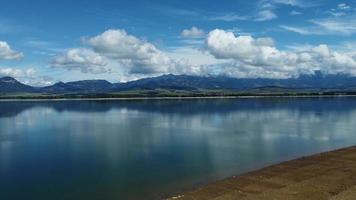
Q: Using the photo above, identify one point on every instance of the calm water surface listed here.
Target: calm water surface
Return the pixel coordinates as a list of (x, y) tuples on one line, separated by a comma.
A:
[(146, 149)]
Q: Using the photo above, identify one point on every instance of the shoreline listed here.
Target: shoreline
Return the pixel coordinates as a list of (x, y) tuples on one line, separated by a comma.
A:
[(327, 175), (176, 98)]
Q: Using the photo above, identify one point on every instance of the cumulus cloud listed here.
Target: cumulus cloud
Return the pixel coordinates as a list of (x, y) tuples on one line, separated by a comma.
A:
[(118, 52), (258, 57), (7, 53), (193, 32), (27, 76), (224, 53), (224, 44), (38, 81), (139, 56), (81, 59), (17, 73), (194, 56)]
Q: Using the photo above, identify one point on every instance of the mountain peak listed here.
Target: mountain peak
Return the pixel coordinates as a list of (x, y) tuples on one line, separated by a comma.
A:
[(59, 83), (6, 78), (9, 84)]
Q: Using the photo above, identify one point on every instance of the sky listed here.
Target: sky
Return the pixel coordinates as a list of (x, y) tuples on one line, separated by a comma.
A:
[(42, 42)]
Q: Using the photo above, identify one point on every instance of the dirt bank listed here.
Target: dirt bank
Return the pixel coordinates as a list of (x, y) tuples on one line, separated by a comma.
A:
[(330, 175)]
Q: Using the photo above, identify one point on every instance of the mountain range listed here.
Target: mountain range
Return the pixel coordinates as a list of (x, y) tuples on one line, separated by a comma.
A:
[(318, 80)]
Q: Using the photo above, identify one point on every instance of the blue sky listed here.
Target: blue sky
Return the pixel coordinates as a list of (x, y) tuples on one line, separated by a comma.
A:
[(42, 42)]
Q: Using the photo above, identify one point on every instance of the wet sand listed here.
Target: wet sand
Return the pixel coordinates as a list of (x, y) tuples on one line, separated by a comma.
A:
[(330, 175)]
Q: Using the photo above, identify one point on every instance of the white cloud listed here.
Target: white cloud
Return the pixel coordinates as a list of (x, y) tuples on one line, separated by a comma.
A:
[(43, 47), (337, 26), (294, 12), (230, 17), (341, 21), (346, 46), (337, 14), (194, 56), (193, 32), (300, 30), (224, 44), (327, 26), (7, 53), (343, 6), (84, 60), (139, 56), (38, 81), (299, 47), (27, 76), (192, 41), (115, 51), (266, 9), (256, 57), (265, 15), (17, 73), (293, 3), (342, 9)]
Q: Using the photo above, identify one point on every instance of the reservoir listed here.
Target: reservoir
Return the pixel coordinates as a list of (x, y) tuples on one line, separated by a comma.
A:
[(154, 148)]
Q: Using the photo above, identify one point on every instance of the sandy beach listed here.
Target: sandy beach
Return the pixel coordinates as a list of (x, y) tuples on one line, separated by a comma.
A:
[(330, 175)]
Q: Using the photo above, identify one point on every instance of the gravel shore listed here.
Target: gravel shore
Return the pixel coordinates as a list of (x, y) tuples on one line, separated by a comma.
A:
[(330, 175)]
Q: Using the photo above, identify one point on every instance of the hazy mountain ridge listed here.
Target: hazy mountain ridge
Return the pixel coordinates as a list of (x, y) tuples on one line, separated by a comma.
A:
[(184, 82), (79, 86), (11, 85)]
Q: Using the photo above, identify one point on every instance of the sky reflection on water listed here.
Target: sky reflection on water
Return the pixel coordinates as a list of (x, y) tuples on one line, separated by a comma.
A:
[(147, 148)]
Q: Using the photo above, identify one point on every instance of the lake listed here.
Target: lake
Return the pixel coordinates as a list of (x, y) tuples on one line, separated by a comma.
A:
[(147, 149)]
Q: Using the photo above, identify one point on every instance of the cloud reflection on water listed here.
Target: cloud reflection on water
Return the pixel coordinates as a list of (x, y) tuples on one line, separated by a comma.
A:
[(159, 145)]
